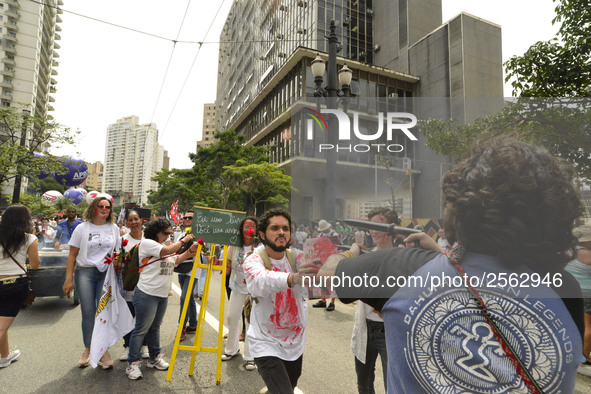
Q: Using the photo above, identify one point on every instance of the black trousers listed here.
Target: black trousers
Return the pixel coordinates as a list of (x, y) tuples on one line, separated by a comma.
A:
[(280, 376)]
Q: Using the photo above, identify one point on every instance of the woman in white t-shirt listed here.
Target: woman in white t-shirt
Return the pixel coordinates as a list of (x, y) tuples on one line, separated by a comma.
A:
[(150, 297), (16, 244), (236, 257), (133, 237), (92, 241)]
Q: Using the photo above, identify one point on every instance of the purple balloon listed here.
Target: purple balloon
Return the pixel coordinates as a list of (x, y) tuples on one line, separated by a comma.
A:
[(77, 172), (74, 195), (42, 175)]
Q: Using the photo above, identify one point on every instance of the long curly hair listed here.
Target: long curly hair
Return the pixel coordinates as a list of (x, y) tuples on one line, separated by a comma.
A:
[(154, 227), (16, 223), (513, 200)]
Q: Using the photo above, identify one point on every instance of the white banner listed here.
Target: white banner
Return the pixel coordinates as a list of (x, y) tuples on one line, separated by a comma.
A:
[(113, 318)]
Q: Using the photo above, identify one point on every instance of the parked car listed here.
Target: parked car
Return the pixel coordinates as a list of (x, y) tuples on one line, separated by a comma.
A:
[(48, 279)]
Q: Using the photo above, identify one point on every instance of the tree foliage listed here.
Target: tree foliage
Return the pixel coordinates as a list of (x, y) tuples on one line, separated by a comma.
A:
[(220, 178), (560, 67), (19, 159)]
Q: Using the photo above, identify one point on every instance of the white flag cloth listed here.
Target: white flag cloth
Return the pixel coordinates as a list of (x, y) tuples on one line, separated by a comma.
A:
[(113, 319)]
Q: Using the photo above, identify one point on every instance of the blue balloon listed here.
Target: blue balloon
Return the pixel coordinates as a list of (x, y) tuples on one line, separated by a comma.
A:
[(77, 172), (42, 175), (74, 195)]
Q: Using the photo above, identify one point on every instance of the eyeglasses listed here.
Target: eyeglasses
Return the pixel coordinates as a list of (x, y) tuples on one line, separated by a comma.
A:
[(188, 217), (104, 206)]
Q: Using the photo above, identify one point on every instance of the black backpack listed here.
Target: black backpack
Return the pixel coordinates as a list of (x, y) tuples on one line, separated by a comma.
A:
[(130, 270)]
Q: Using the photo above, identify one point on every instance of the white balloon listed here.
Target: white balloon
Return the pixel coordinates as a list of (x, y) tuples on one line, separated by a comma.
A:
[(83, 191), (51, 196), (92, 195), (107, 196)]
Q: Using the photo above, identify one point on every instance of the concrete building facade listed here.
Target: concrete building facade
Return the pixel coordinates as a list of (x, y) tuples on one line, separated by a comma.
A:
[(94, 181), (132, 158), (401, 55), (208, 128), (29, 35)]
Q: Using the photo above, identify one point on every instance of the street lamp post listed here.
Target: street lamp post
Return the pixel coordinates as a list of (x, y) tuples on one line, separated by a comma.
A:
[(332, 93)]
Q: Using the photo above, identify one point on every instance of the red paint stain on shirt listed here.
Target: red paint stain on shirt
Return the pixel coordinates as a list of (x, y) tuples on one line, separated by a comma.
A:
[(287, 316)]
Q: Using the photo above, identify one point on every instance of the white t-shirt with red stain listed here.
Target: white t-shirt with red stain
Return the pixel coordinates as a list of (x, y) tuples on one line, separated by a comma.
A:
[(278, 320), (155, 278)]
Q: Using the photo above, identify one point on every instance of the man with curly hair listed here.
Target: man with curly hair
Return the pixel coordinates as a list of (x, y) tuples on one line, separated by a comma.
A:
[(279, 315), (497, 312)]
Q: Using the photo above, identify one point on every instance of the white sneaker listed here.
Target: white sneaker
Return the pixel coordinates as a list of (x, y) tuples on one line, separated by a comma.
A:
[(250, 365), (125, 355), (158, 363), (133, 370), (145, 352), (13, 355), (584, 369)]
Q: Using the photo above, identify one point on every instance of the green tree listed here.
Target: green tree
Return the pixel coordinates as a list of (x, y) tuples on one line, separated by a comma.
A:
[(204, 184), (259, 182), (17, 159), (559, 67)]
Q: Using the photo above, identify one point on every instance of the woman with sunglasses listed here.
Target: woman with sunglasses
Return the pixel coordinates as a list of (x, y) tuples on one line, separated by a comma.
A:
[(150, 297), (92, 241), (16, 244)]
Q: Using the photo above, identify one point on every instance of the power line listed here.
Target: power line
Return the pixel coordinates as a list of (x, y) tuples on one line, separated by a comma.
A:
[(191, 68), (170, 60)]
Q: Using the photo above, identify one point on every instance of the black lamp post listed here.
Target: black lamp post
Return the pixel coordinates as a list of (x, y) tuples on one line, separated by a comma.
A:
[(331, 92)]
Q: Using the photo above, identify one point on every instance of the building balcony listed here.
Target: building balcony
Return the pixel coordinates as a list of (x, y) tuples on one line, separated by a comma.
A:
[(58, 28), (53, 81), (13, 3), (55, 63), (10, 38), (7, 71), (12, 14), (6, 84), (56, 55), (50, 108), (58, 19), (52, 89), (11, 26), (53, 71), (8, 47), (57, 36), (9, 61), (51, 99), (6, 96), (56, 45)]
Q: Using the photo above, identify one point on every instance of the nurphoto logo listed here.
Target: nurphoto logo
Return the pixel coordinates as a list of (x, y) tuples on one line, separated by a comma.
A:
[(394, 121)]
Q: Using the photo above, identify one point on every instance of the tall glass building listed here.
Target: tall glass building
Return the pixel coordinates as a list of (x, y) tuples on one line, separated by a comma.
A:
[(399, 51)]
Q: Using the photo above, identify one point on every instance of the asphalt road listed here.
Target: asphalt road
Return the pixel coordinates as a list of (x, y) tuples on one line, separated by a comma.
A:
[(49, 336)]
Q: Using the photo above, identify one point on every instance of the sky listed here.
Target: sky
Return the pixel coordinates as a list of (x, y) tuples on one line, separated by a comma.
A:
[(107, 72)]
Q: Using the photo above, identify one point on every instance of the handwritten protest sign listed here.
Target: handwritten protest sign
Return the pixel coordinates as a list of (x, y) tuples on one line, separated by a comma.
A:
[(217, 226)]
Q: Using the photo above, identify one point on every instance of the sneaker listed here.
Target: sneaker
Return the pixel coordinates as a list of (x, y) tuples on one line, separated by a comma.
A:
[(13, 355), (584, 369), (191, 330), (133, 370), (158, 363), (183, 335), (263, 390), (106, 361), (330, 307), (124, 355), (319, 304), (145, 352), (85, 358), (250, 366), (242, 336), (227, 357)]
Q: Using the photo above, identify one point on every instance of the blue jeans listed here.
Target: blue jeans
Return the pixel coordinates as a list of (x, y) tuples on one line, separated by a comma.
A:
[(88, 282), (376, 344), (149, 312), (191, 315)]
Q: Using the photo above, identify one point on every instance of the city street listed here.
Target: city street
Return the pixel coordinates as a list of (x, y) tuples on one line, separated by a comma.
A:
[(49, 337)]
